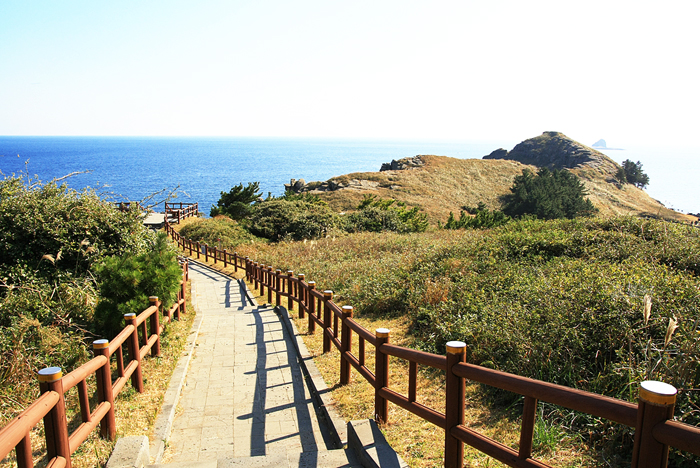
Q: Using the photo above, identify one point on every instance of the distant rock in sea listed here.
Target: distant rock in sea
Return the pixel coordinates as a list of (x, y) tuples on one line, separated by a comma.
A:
[(599, 144)]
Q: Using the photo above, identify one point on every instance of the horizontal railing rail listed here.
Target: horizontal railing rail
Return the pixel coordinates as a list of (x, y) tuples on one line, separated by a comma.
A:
[(650, 417), (179, 211), (141, 336)]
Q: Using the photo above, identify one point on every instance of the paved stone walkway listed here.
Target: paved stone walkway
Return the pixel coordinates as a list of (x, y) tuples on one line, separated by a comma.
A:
[(244, 393)]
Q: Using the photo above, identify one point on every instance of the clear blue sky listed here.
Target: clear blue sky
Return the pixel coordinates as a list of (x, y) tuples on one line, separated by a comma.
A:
[(466, 70)]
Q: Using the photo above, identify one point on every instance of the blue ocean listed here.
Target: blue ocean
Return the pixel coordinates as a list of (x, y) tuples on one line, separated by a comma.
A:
[(131, 168)]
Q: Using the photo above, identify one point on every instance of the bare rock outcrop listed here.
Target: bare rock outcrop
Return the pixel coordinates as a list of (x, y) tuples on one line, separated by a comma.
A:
[(552, 150)]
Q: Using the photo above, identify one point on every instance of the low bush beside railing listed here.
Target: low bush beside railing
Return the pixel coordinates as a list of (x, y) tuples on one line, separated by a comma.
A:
[(141, 336), (651, 417)]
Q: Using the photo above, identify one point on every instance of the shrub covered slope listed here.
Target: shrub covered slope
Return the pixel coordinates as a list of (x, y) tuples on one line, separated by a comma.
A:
[(562, 301)]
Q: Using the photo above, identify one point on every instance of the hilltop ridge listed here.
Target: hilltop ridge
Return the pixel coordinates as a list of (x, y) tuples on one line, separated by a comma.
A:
[(440, 184)]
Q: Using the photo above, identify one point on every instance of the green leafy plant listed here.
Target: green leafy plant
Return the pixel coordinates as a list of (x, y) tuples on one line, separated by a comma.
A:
[(548, 195), (482, 218), (126, 282), (236, 203), (375, 215)]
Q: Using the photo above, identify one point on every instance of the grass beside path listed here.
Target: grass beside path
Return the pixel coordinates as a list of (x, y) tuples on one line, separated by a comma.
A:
[(135, 412)]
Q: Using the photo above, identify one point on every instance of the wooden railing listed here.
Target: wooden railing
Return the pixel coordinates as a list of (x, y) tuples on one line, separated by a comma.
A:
[(179, 211), (126, 206), (60, 444), (651, 416)]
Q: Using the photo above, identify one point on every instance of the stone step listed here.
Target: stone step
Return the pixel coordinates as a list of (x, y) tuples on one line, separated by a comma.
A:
[(322, 459)]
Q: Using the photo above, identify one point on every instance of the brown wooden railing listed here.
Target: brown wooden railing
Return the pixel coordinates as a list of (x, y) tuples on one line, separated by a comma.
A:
[(60, 444), (179, 211), (651, 416), (126, 206)]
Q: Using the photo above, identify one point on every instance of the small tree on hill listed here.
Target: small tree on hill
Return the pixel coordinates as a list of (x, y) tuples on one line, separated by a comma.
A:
[(548, 195), (236, 203), (632, 173)]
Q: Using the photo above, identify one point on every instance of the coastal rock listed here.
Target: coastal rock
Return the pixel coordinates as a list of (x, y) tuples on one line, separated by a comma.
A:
[(552, 150), (403, 164)]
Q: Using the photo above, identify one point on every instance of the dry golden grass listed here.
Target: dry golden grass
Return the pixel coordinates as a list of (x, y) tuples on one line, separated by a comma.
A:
[(135, 412), (446, 184)]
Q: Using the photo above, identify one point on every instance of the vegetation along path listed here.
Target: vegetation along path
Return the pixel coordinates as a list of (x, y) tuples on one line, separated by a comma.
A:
[(245, 395)]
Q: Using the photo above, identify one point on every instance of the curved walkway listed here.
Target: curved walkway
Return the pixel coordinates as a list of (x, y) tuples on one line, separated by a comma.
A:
[(244, 395)]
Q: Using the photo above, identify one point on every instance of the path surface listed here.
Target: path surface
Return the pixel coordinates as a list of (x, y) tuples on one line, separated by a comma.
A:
[(244, 394)]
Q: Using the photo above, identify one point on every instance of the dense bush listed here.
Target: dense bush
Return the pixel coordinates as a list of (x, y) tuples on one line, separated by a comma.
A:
[(236, 203), (482, 218), (548, 195), (127, 281), (48, 230), (376, 215), (221, 229), (51, 238), (280, 219)]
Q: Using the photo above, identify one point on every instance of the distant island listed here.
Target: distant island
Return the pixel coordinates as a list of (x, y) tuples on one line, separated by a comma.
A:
[(600, 144)]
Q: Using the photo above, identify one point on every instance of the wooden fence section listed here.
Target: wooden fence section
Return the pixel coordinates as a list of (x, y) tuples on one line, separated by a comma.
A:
[(179, 211), (651, 416), (141, 336)]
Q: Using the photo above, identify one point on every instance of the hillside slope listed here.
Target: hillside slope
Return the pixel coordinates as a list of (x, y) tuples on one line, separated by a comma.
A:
[(440, 184)]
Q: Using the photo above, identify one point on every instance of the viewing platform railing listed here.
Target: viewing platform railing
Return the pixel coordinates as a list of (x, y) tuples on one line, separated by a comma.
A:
[(651, 417), (176, 212)]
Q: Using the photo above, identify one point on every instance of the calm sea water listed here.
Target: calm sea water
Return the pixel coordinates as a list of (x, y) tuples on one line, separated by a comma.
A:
[(130, 168), (133, 167)]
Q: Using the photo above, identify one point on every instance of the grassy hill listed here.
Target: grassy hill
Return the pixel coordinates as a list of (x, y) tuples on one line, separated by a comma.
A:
[(440, 184)]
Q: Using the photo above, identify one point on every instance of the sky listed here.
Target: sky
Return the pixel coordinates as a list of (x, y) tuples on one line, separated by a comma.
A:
[(466, 70)]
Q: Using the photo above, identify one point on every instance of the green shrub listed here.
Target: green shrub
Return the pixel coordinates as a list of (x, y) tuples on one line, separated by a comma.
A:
[(236, 203), (126, 282), (483, 218), (377, 215), (49, 230), (220, 229), (280, 219), (548, 195)]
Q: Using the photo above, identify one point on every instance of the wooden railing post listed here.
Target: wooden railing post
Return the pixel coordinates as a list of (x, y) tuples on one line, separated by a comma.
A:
[(381, 371), (155, 325), (235, 261), (206, 252), (255, 275), (311, 303), (261, 274), (183, 307), (301, 295), (199, 249), (290, 301), (454, 405), (656, 403), (278, 286), (247, 269), (225, 259), (55, 422), (134, 352), (270, 284), (327, 297), (527, 427), (108, 425), (345, 346)]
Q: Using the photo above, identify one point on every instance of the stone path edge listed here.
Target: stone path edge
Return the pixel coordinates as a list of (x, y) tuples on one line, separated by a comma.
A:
[(164, 422)]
